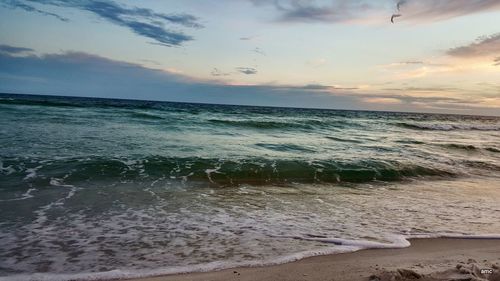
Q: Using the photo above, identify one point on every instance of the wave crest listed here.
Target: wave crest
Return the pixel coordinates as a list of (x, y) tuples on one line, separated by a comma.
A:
[(225, 172), (450, 127)]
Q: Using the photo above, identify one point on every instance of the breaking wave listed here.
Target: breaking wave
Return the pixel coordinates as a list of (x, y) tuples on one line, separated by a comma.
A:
[(226, 172), (451, 127)]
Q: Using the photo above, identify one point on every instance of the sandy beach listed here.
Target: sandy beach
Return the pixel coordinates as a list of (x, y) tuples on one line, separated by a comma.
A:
[(425, 259)]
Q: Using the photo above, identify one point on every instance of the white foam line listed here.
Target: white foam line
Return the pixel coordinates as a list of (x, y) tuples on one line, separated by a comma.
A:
[(57, 182), (6, 170), (397, 242), (213, 266), (343, 246), (42, 211), (31, 173), (24, 196), (456, 236)]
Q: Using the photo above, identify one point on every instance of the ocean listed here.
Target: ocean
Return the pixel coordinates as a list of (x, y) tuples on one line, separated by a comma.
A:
[(103, 188)]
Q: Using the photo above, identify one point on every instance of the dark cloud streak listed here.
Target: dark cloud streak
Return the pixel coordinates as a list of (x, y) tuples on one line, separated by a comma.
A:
[(308, 11), (247, 70), (14, 4), (141, 21), (11, 50), (319, 87)]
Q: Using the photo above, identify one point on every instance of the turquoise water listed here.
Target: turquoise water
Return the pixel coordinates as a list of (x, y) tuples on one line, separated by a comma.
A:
[(95, 187)]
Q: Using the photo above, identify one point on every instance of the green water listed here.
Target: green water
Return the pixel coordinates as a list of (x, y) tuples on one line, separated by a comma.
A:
[(95, 187)]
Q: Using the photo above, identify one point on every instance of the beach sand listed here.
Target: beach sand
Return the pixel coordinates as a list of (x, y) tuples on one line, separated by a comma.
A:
[(425, 259)]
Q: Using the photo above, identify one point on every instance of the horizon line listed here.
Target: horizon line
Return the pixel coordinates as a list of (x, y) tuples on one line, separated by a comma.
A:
[(249, 105)]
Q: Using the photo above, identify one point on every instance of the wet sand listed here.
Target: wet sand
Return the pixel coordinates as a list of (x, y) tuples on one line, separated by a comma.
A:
[(425, 259)]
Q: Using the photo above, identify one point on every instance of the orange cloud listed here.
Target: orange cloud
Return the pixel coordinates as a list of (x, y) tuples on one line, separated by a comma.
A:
[(383, 100)]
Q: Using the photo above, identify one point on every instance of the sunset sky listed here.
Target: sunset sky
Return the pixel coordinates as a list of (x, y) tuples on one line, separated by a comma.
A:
[(438, 56)]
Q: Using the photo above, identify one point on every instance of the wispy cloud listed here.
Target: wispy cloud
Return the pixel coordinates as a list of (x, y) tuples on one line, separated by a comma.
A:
[(319, 88), (141, 21), (485, 49), (484, 46), (247, 70), (476, 58), (248, 38), (16, 4), (414, 69), (435, 10), (341, 11), (414, 64), (411, 62), (312, 11), (259, 51), (383, 100), (423, 89), (217, 73), (327, 87), (314, 87), (11, 50)]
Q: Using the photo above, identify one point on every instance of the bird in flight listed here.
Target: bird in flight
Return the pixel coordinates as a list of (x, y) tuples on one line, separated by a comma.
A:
[(395, 16), (399, 4)]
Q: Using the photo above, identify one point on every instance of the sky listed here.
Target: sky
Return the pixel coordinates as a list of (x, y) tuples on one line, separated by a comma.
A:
[(440, 56)]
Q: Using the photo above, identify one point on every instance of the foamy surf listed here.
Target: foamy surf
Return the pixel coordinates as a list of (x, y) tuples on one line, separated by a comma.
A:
[(348, 246)]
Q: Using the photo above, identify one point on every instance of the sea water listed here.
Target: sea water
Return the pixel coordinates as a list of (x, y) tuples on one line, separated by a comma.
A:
[(99, 188)]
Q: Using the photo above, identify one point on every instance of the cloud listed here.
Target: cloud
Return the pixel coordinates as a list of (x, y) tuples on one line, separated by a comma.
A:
[(484, 46), (441, 103), (477, 58), (423, 89), (259, 51), (411, 62), (29, 8), (310, 11), (216, 72), (141, 21), (383, 100), (342, 11), (315, 87), (77, 73), (83, 74), (435, 10), (7, 49), (414, 69), (247, 70), (248, 38), (324, 87)]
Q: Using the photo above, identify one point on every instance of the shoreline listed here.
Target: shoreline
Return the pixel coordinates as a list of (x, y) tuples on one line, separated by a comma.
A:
[(424, 259)]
